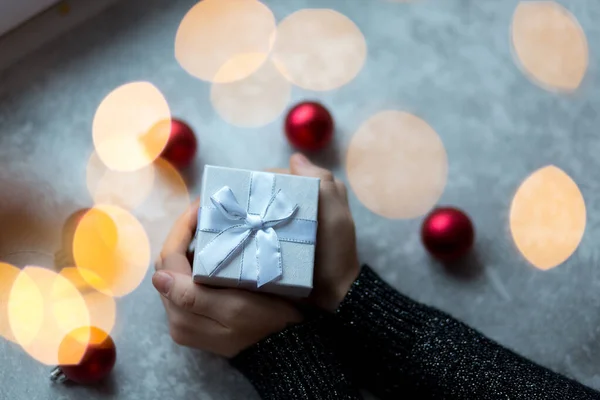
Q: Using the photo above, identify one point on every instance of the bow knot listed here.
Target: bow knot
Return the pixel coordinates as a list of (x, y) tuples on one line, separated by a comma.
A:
[(255, 222)]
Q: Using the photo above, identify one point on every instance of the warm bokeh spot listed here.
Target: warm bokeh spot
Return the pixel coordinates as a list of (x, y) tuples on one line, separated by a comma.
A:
[(252, 102), (168, 200), (102, 308), (547, 217), (550, 45), (43, 308), (111, 250), (77, 342), (8, 275), (126, 189), (122, 122), (25, 309), (224, 40), (397, 165), (319, 49)]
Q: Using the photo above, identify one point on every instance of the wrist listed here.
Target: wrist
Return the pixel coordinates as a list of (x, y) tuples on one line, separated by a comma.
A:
[(332, 299)]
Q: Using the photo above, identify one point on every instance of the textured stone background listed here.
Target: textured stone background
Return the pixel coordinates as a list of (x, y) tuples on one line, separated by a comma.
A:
[(448, 61)]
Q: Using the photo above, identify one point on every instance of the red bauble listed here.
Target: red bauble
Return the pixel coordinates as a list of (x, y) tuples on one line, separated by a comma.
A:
[(181, 146), (99, 357), (309, 126), (447, 233)]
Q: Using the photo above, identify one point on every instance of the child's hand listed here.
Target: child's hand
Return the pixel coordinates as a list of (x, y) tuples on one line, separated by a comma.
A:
[(336, 263), (221, 321)]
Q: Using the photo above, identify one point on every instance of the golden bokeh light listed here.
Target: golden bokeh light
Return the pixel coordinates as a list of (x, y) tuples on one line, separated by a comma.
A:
[(43, 307), (549, 45), (215, 36), (111, 250), (168, 200), (254, 101), (122, 122), (319, 49), (397, 165), (126, 189), (547, 217), (25, 309), (8, 275), (102, 308), (77, 342)]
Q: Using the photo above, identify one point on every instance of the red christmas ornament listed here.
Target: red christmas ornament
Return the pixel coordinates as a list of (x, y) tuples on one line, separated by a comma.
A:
[(99, 357), (181, 146), (447, 233), (309, 126)]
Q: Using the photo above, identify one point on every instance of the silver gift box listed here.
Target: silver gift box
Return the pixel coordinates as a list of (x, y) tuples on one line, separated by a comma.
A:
[(297, 258)]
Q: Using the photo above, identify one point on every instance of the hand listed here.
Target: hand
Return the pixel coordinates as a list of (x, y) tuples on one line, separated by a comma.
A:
[(336, 259), (221, 321)]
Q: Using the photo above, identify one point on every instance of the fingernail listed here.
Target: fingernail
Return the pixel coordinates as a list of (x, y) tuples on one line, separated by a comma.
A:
[(162, 282), (301, 159)]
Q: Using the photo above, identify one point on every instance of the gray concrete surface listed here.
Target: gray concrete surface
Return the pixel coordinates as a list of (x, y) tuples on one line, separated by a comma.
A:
[(448, 61)]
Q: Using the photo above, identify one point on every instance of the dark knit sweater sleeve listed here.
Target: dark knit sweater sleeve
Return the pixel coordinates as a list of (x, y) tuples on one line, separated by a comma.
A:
[(296, 364), (397, 347)]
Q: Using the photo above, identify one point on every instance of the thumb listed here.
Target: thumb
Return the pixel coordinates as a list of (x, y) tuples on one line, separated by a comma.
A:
[(183, 293), (300, 165)]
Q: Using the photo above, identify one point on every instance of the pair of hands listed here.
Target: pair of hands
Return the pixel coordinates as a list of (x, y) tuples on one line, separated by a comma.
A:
[(226, 321)]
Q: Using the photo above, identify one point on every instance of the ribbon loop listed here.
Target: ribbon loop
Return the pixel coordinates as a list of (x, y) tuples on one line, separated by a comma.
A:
[(225, 201), (279, 208)]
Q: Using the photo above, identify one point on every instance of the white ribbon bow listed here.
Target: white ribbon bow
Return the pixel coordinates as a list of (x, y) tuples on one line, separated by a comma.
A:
[(236, 226)]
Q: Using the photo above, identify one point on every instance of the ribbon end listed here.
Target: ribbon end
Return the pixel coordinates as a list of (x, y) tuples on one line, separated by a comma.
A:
[(268, 278), (208, 271)]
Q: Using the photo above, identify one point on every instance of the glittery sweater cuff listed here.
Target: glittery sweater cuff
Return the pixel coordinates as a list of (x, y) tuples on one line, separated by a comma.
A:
[(395, 346), (296, 364)]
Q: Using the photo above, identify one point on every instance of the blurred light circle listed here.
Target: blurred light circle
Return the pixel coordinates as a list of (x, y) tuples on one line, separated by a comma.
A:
[(43, 308), (25, 309), (8, 275), (168, 200), (102, 308), (254, 101), (78, 342), (397, 165), (550, 45), (126, 189), (215, 34), (111, 250), (319, 49), (122, 123), (547, 217)]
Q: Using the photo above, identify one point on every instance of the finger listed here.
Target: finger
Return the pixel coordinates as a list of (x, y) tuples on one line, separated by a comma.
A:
[(284, 171), (158, 265), (182, 232), (300, 165), (175, 262), (193, 330), (342, 190), (183, 293), (203, 336), (181, 319)]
